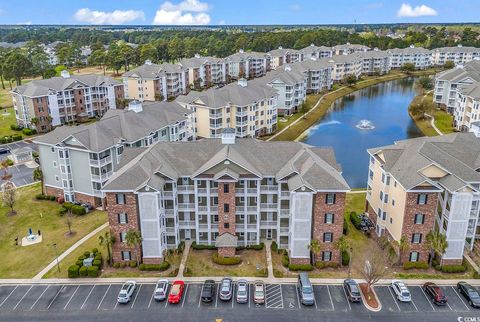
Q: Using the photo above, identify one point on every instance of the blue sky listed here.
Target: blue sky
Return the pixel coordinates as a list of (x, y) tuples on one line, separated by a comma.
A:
[(208, 12)]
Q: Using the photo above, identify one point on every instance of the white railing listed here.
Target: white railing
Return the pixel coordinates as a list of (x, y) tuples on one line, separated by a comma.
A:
[(268, 223), (182, 206), (169, 211), (214, 209), (170, 230), (270, 206), (168, 193), (285, 193), (240, 208), (214, 190), (284, 229), (251, 226), (251, 208), (284, 212), (186, 188), (283, 246), (186, 223), (252, 190), (203, 226), (268, 188), (202, 190), (101, 162), (202, 208)]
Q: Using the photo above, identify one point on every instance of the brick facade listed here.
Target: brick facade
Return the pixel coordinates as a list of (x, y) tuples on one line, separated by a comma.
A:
[(113, 210), (299, 261), (229, 199), (80, 197), (158, 260), (52, 191), (319, 227), (226, 251)]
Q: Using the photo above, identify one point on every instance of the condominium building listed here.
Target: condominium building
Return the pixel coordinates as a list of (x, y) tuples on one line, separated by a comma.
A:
[(249, 107), (447, 82), (418, 56), (344, 65), (467, 106), (44, 103), (152, 82), (458, 55), (282, 56), (291, 86), (247, 65), (424, 184), (316, 52), (78, 160), (318, 73), (348, 49), (241, 191), (204, 71), (375, 62)]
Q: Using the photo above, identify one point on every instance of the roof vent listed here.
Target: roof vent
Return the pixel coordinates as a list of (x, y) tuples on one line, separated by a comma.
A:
[(288, 68), (348, 44), (228, 136), (197, 55), (148, 62), (312, 45), (412, 46), (280, 47), (135, 106), (459, 45), (65, 74), (242, 82), (241, 51)]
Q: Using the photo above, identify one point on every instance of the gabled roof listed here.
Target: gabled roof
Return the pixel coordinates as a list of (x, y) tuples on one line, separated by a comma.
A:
[(470, 70), (152, 71)]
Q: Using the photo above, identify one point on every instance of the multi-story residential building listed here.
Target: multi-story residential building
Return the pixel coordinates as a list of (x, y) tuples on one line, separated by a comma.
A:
[(78, 160), (291, 86), (447, 82), (316, 52), (420, 57), (282, 56), (204, 71), (318, 74), (348, 49), (44, 103), (344, 65), (375, 62), (458, 55), (418, 185), (249, 107), (241, 191), (247, 65), (467, 106), (152, 82)]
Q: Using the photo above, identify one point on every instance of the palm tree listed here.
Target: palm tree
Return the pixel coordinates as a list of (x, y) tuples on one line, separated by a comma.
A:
[(315, 248), (107, 241), (343, 245), (133, 238), (38, 176), (437, 243), (403, 246)]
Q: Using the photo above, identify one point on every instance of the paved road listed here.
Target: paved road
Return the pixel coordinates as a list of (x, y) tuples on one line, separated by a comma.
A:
[(22, 175), (97, 302)]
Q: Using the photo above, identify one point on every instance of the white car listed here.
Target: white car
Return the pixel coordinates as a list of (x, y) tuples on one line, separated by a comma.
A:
[(126, 292), (401, 291), (161, 290)]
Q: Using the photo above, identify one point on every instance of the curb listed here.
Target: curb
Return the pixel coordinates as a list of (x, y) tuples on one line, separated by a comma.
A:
[(379, 308)]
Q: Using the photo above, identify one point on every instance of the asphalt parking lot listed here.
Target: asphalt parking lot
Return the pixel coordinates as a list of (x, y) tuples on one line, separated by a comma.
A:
[(21, 174)]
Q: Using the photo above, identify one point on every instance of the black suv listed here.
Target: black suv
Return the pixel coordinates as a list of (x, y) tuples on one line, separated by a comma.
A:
[(470, 293), (208, 291), (435, 293), (352, 290)]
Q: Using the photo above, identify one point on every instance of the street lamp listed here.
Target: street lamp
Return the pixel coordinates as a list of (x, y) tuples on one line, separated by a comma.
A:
[(54, 245)]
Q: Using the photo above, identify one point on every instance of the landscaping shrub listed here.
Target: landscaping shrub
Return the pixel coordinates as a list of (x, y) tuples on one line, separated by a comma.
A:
[(98, 257), (256, 247), (200, 247), (78, 210), (122, 265), (437, 267), (345, 228), (274, 246), (81, 258), (62, 211), (9, 162), (73, 271), (155, 267), (92, 271), (40, 197), (300, 267), (321, 265), (6, 139), (83, 271), (17, 137), (52, 198), (97, 263), (181, 247), (417, 265), (220, 260), (132, 264), (453, 268), (355, 220), (345, 258), (86, 254), (79, 263), (16, 127), (285, 260), (28, 131), (116, 265), (95, 251)]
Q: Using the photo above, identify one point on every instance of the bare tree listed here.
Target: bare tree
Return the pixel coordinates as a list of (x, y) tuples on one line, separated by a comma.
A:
[(69, 222), (9, 191), (374, 269)]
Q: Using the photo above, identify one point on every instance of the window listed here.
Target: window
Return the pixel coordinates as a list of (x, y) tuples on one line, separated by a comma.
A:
[(123, 235), (393, 202), (327, 237), (381, 195), (54, 164), (391, 220), (226, 225), (422, 199), (329, 218), (53, 149), (416, 238), (330, 198), (120, 198), (385, 198), (419, 219), (126, 256), (226, 188), (326, 256), (57, 178), (384, 217), (122, 218), (413, 257), (388, 181), (226, 207)]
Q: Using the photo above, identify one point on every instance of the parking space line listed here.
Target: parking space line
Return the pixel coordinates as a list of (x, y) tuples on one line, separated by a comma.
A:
[(449, 307), (185, 295), (103, 297), (461, 300), (136, 294), (55, 297), (38, 299), (394, 298), (151, 298), (86, 299), (22, 297), (8, 296), (233, 294), (428, 300), (413, 302), (330, 296), (298, 296), (217, 295), (346, 297), (249, 299), (71, 297)]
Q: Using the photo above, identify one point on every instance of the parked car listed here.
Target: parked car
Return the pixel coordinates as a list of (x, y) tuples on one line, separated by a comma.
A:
[(226, 289), (4, 151), (259, 292), (352, 290), (435, 293), (208, 291), (161, 290), (470, 293), (305, 289), (242, 291), (126, 292), (176, 292), (401, 291)]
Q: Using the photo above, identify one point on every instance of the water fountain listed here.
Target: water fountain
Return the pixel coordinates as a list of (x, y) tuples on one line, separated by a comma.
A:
[(365, 125)]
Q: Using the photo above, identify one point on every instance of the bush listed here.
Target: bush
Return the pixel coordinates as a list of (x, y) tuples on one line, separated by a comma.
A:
[(40, 197), (79, 263), (321, 265), (300, 267), (383, 242), (122, 265), (81, 258), (345, 258), (437, 267), (453, 268), (97, 263), (52, 198), (83, 271), (62, 211), (285, 260), (200, 247), (16, 137), (345, 228), (181, 247), (274, 246), (28, 131), (86, 254), (417, 265), (73, 271), (476, 275), (93, 271), (9, 162), (155, 267), (68, 205), (256, 247), (95, 251), (355, 220), (98, 257), (132, 264), (16, 127), (116, 265), (220, 260), (78, 210)]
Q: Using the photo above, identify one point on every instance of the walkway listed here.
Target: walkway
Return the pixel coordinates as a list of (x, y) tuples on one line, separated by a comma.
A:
[(432, 123), (68, 251), (181, 268), (268, 248)]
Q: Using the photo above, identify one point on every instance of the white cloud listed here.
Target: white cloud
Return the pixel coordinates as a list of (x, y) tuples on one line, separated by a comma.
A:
[(24, 23), (116, 17), (406, 10), (187, 12)]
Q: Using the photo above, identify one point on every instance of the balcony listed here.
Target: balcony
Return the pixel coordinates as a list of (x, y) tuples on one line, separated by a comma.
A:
[(216, 126), (268, 224), (186, 206), (284, 212), (186, 189), (251, 226), (202, 190), (170, 230), (203, 226), (284, 230), (168, 193), (268, 206), (213, 190), (101, 162), (169, 211), (202, 208), (186, 224), (241, 113), (252, 191), (215, 115), (268, 189), (285, 194)]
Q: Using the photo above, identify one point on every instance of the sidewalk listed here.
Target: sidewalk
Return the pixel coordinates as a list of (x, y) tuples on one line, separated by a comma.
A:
[(432, 123), (68, 251), (268, 245), (181, 268)]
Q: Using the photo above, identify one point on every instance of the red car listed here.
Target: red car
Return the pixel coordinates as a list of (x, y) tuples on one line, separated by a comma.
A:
[(176, 292)]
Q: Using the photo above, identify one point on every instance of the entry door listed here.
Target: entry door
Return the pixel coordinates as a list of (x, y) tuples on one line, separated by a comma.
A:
[(269, 234), (188, 234)]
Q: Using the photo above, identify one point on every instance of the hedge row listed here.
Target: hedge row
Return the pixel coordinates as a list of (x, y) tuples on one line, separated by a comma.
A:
[(355, 220), (16, 127), (155, 267), (285, 260), (200, 247), (274, 246), (416, 265), (252, 247), (220, 260), (28, 131), (345, 258), (75, 209), (453, 268), (11, 138), (77, 271), (321, 265), (300, 267), (45, 197)]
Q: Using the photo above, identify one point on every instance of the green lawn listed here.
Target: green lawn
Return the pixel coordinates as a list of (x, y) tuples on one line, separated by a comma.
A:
[(444, 121), (26, 262), (6, 121)]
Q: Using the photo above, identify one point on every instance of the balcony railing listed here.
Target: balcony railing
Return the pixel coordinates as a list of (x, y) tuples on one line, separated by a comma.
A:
[(284, 230), (285, 194), (169, 211), (186, 223), (101, 162), (268, 223), (203, 226), (170, 230), (202, 190), (168, 193), (284, 212), (268, 188), (270, 206), (202, 208), (251, 226), (183, 206), (189, 188)]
